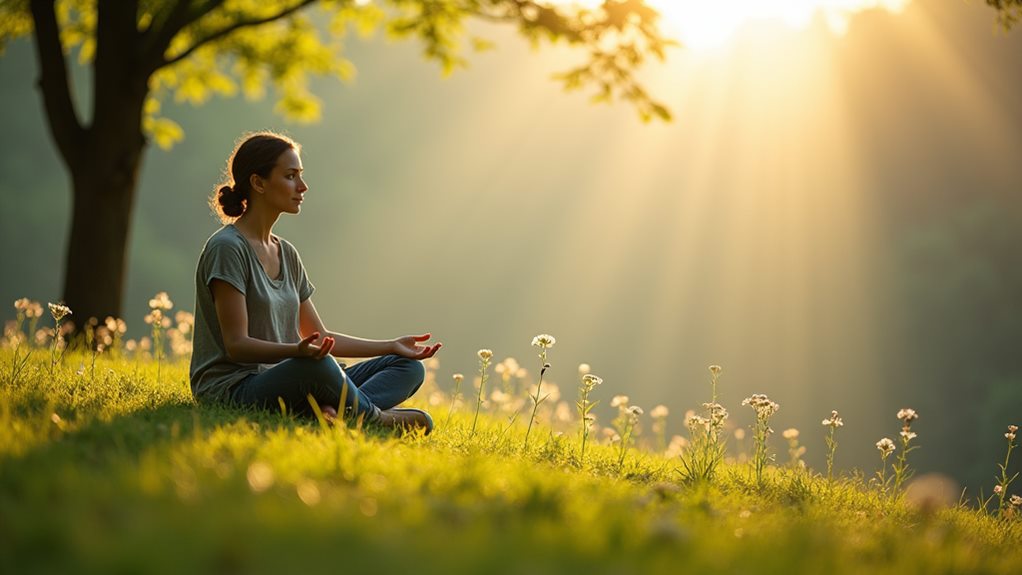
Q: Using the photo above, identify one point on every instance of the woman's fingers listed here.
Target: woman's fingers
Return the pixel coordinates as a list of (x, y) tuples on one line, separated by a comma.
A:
[(422, 337), (430, 351), (328, 344)]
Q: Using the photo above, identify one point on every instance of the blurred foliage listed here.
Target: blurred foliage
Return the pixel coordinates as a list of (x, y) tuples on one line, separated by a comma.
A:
[(1009, 12), (961, 269)]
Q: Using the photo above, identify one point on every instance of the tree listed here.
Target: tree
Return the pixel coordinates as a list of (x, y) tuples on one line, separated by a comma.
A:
[(142, 51)]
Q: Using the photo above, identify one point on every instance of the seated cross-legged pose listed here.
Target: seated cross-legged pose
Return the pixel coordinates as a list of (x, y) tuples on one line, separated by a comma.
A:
[(258, 339)]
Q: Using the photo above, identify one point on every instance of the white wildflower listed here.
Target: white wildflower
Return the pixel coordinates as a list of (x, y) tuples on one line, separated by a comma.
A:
[(161, 301), (907, 415), (544, 340), (886, 446), (834, 420), (59, 311)]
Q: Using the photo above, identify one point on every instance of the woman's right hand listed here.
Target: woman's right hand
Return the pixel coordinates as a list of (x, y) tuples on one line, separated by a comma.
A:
[(308, 348)]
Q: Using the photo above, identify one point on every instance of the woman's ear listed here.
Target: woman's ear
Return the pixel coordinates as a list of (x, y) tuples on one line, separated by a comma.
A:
[(256, 182)]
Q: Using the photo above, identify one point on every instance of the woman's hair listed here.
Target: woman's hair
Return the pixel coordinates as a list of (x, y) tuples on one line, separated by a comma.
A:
[(255, 153)]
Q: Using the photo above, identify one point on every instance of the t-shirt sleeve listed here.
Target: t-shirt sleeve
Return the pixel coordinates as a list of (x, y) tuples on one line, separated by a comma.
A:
[(302, 283), (224, 261)]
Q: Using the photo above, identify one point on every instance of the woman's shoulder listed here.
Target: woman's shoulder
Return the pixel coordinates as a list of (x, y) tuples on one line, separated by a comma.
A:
[(226, 244), (226, 237), (287, 247)]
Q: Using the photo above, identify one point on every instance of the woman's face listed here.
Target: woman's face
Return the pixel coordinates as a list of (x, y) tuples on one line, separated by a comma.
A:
[(284, 189)]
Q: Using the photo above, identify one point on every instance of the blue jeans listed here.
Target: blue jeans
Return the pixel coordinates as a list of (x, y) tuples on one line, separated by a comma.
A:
[(372, 385)]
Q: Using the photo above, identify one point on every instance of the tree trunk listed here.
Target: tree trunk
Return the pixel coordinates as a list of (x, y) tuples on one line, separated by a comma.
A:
[(104, 192), (103, 158)]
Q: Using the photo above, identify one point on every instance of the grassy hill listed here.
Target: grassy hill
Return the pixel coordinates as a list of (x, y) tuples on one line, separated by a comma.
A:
[(108, 466)]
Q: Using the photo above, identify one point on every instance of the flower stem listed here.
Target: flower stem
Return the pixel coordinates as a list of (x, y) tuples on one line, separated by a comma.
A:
[(535, 404), (1005, 482), (583, 412), (831, 448), (479, 400), (454, 399)]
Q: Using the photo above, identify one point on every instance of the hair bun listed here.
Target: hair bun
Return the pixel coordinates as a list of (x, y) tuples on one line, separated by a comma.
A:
[(231, 201)]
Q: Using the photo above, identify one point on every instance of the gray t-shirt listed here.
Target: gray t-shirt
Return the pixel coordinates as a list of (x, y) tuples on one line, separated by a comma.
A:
[(272, 308)]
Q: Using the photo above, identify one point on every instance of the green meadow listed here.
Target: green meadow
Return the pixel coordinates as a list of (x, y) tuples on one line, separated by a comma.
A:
[(107, 465)]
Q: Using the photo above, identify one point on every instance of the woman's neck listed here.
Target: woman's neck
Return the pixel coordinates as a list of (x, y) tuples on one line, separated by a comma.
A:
[(257, 224)]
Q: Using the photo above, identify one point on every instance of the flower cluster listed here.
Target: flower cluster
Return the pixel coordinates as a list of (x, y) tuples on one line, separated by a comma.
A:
[(706, 452), (509, 370), (762, 404), (834, 420), (59, 311), (717, 415), (1011, 432), (907, 416), (795, 451), (161, 301), (31, 309), (764, 408), (696, 423)]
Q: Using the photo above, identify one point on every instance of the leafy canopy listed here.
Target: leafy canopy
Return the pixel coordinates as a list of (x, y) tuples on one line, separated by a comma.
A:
[(221, 47)]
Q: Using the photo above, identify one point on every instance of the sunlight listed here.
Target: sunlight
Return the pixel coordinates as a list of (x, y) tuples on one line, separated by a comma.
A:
[(747, 233), (703, 25)]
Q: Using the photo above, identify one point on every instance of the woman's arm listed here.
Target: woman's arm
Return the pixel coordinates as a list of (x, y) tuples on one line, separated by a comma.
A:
[(310, 324), (232, 314)]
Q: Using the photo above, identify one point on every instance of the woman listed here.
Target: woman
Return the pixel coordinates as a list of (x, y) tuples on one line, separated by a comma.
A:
[(258, 340)]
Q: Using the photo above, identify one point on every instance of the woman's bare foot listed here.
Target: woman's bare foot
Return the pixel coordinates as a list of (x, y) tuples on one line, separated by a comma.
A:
[(406, 418), (329, 413)]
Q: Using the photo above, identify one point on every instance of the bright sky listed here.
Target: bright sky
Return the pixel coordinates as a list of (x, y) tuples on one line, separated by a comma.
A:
[(706, 24)]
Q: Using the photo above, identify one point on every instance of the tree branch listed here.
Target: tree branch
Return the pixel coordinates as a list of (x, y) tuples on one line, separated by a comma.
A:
[(64, 124), (159, 36), (233, 28)]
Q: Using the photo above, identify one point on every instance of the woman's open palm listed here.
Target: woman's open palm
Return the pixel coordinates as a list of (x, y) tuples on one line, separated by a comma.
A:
[(408, 346), (308, 348)]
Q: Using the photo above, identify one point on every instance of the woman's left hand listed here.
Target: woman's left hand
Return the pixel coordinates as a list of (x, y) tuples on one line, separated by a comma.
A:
[(408, 346)]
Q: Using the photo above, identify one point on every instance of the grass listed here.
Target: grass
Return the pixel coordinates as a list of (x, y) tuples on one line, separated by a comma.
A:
[(116, 470)]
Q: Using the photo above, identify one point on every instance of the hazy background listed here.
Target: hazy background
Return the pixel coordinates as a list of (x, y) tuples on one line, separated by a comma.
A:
[(834, 220)]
